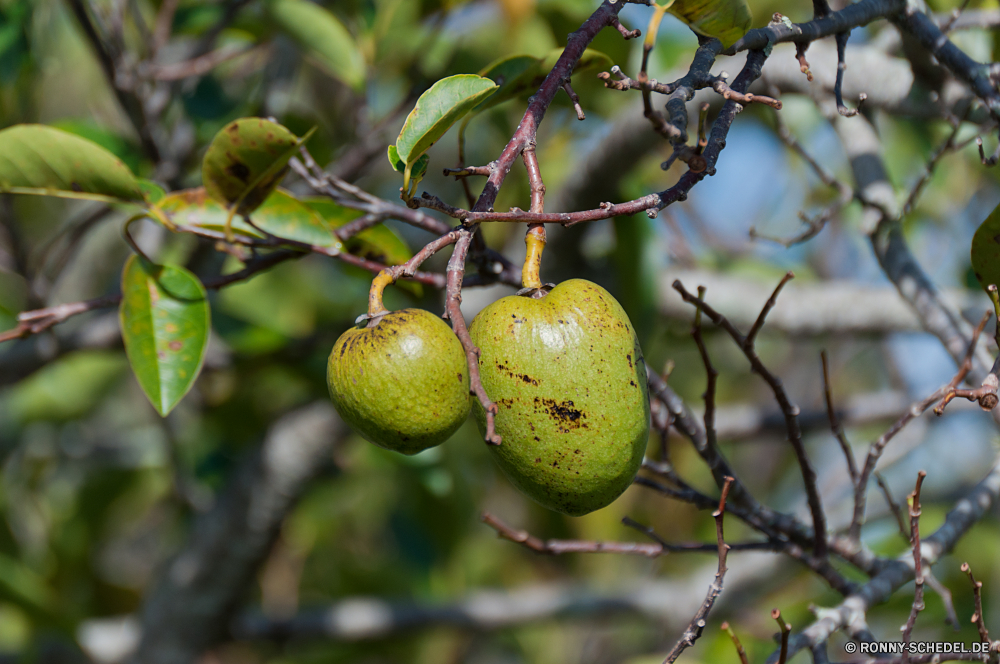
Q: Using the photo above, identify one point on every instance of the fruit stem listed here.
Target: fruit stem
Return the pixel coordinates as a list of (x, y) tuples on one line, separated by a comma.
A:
[(534, 240), (381, 280)]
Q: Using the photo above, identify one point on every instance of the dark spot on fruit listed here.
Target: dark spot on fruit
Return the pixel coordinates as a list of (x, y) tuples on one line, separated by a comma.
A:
[(576, 451), (564, 413), (75, 186), (538, 460), (460, 378), (538, 439), (632, 383), (629, 356), (239, 171)]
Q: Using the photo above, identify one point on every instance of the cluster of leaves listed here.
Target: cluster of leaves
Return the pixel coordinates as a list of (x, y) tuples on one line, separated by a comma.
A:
[(165, 319)]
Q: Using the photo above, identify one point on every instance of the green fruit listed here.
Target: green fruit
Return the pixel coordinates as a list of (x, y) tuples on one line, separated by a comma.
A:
[(403, 384), (569, 381)]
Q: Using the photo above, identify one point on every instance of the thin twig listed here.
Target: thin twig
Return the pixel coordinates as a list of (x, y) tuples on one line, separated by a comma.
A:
[(918, 576), (894, 507), (785, 630), (788, 409), (736, 642), (977, 617), (697, 624), (838, 431), (914, 411), (932, 163)]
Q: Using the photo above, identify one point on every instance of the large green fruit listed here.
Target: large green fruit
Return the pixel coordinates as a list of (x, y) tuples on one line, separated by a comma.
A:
[(569, 381), (402, 384)]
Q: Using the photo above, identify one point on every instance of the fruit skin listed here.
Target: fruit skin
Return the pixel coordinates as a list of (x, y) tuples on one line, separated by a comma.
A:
[(402, 384), (569, 380)]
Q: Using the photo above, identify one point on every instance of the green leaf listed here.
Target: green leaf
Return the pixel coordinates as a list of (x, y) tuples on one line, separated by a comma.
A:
[(281, 215), (437, 110), (378, 243), (322, 38), (126, 150), (419, 168), (986, 250), (23, 585), (35, 159), (246, 160), (520, 75), (412, 177), (726, 20), (285, 216), (165, 324), (152, 192), (514, 75)]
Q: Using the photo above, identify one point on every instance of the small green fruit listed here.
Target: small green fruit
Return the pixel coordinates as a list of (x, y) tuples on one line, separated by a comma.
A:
[(569, 381), (403, 384)]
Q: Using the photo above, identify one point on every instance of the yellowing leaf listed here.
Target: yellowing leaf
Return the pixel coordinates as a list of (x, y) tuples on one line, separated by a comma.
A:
[(245, 162), (281, 215), (378, 243), (726, 20)]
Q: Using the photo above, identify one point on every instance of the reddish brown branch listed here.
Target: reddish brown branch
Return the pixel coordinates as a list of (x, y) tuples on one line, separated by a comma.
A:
[(360, 224), (625, 32), (557, 547), (534, 178), (697, 624), (977, 617), (39, 320), (453, 308), (605, 15), (985, 394)]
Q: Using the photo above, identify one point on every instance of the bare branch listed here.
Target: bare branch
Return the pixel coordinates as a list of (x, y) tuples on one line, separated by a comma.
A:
[(697, 625)]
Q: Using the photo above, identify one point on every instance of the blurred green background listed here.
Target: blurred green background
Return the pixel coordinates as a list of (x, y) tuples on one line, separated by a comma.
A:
[(97, 491)]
